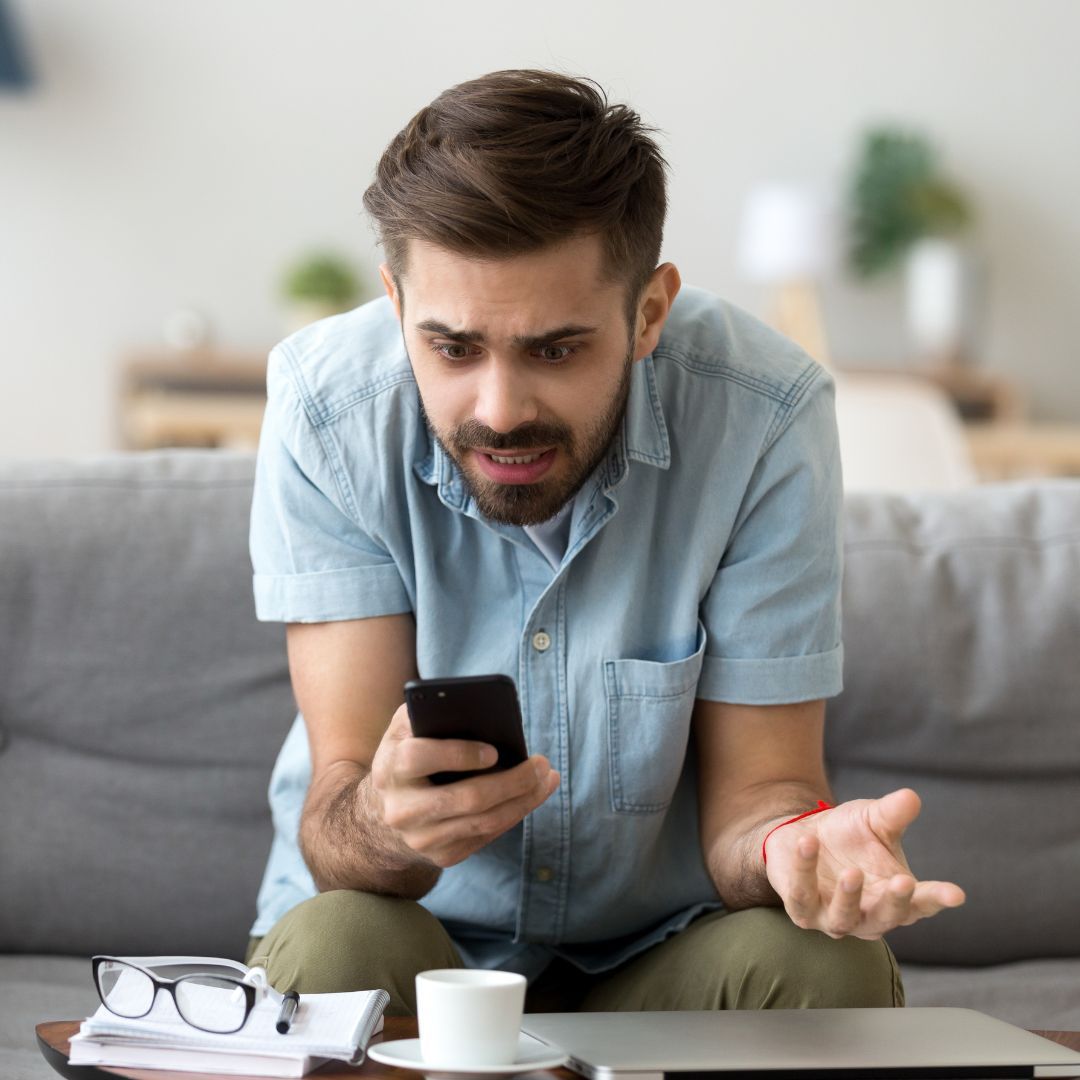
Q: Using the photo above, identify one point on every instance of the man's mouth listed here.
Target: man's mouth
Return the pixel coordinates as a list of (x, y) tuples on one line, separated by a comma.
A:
[(522, 459), (520, 468)]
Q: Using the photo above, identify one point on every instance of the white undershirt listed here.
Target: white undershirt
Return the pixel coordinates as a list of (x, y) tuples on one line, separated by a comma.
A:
[(551, 536)]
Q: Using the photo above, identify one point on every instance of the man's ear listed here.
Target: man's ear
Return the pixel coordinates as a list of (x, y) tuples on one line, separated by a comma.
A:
[(653, 308), (390, 287)]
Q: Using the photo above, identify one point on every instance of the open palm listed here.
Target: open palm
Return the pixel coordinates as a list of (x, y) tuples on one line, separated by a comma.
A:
[(844, 871)]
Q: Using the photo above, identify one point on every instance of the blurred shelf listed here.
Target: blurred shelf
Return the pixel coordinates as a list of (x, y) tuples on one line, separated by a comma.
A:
[(977, 396), (1013, 450), (196, 398), (1003, 443)]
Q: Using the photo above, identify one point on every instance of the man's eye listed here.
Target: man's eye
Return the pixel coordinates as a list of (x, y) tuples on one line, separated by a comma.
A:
[(444, 350), (554, 354)]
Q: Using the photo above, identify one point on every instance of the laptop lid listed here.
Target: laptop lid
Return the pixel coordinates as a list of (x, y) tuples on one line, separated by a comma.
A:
[(777, 1044)]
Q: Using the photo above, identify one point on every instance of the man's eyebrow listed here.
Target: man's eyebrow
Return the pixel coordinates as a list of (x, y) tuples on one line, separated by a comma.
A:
[(474, 337)]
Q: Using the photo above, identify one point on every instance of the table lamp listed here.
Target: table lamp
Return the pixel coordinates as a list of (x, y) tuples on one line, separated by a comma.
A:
[(787, 240)]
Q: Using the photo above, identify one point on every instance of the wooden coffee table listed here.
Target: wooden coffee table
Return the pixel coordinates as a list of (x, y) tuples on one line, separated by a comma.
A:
[(53, 1041)]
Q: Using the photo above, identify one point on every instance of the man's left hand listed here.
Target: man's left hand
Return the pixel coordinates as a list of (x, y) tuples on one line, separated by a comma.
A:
[(843, 871)]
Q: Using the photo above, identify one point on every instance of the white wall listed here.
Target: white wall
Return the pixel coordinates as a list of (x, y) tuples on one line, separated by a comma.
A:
[(180, 152)]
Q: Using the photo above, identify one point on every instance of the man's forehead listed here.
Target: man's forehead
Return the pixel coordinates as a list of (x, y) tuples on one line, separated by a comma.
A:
[(584, 250), (526, 298)]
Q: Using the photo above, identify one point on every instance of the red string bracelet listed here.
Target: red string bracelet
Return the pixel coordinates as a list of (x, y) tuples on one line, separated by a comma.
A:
[(809, 813)]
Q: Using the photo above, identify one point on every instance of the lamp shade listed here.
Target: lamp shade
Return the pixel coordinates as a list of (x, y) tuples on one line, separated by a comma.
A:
[(787, 233)]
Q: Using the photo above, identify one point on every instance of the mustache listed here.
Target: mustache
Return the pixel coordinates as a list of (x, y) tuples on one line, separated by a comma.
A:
[(524, 438)]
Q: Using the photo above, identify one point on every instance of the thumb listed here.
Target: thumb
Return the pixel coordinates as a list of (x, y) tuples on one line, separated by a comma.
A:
[(893, 813), (400, 727)]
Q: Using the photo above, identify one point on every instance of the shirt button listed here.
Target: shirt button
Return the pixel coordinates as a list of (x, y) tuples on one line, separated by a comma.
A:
[(541, 641), (545, 873)]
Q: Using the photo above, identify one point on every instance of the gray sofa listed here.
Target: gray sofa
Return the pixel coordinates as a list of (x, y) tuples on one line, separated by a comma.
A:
[(141, 708)]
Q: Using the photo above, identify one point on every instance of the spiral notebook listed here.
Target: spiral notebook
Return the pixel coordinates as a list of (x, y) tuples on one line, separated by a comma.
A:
[(326, 1026)]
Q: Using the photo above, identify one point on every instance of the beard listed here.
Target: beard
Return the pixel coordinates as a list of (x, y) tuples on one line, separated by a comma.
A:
[(531, 504)]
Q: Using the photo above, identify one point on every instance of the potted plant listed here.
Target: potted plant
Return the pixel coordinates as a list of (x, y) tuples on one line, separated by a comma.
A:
[(318, 285), (903, 212)]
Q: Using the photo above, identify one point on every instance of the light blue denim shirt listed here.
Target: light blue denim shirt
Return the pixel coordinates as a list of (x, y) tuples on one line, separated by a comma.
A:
[(704, 561)]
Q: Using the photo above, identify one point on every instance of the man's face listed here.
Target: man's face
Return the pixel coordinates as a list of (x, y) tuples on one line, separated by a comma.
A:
[(523, 367)]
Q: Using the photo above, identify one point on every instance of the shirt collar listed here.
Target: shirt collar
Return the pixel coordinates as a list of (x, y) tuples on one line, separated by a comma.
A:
[(644, 426), (642, 436)]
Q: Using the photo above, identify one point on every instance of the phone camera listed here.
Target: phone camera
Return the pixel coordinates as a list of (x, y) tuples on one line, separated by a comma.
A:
[(418, 695)]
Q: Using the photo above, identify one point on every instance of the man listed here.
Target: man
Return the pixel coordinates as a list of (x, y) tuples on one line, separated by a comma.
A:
[(541, 456)]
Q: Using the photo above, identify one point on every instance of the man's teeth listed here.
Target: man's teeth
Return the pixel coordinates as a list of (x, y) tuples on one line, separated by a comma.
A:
[(521, 460)]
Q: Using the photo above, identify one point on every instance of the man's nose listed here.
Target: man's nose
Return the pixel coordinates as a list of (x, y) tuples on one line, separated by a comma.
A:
[(504, 399)]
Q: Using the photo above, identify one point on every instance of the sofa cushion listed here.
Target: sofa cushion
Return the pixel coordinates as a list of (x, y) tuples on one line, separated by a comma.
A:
[(141, 705), (1039, 994), (35, 989), (962, 681)]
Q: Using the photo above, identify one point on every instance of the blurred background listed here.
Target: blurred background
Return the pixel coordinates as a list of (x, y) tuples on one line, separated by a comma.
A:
[(894, 184)]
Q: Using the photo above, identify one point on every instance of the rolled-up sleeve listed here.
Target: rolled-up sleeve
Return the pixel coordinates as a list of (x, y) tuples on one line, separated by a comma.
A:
[(313, 558), (772, 614)]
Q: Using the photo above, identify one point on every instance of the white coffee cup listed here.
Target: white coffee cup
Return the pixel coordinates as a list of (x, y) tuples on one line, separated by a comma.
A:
[(469, 1017)]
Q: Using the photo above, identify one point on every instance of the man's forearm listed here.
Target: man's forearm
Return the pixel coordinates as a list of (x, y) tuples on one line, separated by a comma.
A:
[(347, 847), (734, 854)]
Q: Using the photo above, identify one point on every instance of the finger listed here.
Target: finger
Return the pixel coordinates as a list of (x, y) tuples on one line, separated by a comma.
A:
[(384, 764), (481, 794), (930, 897), (417, 758), (845, 909), (893, 813), (892, 908), (419, 807), (802, 900), (452, 840), (501, 816), (399, 727)]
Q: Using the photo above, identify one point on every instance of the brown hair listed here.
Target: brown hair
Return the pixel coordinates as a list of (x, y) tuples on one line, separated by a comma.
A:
[(516, 160)]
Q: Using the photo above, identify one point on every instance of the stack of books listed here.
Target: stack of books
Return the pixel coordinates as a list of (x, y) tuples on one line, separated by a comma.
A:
[(324, 1027)]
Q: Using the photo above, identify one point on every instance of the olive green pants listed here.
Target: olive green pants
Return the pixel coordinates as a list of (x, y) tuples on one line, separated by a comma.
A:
[(752, 959)]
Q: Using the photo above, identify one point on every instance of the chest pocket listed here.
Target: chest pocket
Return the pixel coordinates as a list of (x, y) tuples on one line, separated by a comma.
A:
[(649, 706)]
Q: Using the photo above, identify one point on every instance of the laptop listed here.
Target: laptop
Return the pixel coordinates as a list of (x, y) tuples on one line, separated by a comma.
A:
[(800, 1044)]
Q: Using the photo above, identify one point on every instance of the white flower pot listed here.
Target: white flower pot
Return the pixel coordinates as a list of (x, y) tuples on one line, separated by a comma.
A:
[(941, 280)]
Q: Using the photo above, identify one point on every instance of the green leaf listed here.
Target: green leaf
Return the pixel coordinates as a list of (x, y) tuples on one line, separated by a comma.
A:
[(896, 198), (322, 277)]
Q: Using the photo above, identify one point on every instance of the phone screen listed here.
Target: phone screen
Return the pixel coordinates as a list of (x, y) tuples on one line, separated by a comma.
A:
[(479, 708)]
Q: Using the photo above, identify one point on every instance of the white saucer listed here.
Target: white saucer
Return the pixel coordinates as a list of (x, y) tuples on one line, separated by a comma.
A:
[(531, 1054)]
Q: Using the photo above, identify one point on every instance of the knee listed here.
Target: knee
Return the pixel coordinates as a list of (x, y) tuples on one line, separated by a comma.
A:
[(789, 968), (324, 944), (345, 940), (345, 918)]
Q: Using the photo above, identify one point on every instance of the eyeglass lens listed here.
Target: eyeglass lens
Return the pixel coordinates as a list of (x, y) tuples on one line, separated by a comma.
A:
[(126, 991), (211, 1003), (205, 1001)]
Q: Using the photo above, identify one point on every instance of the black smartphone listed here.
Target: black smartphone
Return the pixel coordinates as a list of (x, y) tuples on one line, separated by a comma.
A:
[(481, 708)]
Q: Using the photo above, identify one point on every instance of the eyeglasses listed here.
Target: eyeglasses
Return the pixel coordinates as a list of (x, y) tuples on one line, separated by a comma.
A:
[(205, 1000)]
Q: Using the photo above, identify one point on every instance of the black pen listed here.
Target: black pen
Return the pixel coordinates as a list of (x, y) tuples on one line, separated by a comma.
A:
[(288, 1011)]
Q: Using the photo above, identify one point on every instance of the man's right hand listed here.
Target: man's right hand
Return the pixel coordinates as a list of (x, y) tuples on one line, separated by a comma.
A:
[(446, 823)]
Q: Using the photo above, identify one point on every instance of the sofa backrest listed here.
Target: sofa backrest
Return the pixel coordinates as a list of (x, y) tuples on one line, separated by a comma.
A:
[(962, 681), (141, 705)]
